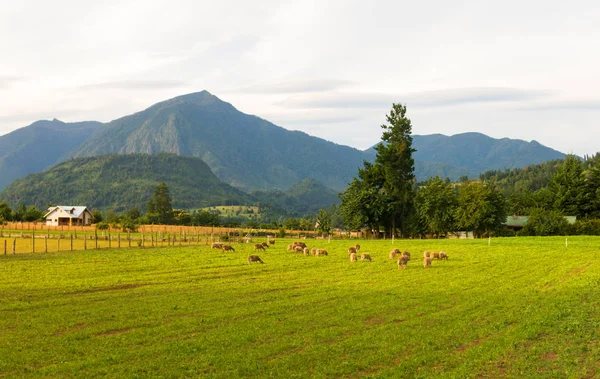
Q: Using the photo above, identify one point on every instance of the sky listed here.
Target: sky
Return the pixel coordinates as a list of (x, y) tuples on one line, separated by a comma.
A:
[(522, 69)]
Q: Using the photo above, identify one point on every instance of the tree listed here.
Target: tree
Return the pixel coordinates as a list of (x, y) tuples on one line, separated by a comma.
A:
[(436, 205), (383, 193), (5, 212), (159, 206), (545, 222), (97, 216), (323, 222), (568, 185), (481, 208), (133, 214), (33, 214), (593, 192), (397, 165)]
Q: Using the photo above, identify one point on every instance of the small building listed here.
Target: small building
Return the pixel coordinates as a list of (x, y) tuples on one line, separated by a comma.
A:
[(62, 215)]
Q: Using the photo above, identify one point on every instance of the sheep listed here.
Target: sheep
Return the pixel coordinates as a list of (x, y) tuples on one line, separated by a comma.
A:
[(427, 262), (351, 250), (301, 244), (313, 251), (353, 257), (299, 249), (357, 247), (265, 244), (403, 261), (393, 253), (254, 258), (365, 257), (216, 245), (306, 251), (271, 242), (259, 246), (443, 255), (426, 254), (407, 254), (435, 255), (291, 247), (227, 248), (321, 252)]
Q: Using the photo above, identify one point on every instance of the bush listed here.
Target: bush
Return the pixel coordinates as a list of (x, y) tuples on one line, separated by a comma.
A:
[(587, 227), (102, 226), (544, 222), (281, 233)]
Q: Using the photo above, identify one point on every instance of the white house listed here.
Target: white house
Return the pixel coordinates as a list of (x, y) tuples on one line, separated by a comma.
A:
[(67, 216)]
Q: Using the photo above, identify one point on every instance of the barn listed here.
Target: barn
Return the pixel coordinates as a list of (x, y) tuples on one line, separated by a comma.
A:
[(62, 215)]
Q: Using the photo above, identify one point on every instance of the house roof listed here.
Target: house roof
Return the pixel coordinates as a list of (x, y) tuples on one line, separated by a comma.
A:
[(77, 211), (520, 221)]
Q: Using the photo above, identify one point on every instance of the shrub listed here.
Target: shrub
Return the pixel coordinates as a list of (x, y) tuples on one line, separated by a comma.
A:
[(587, 227), (544, 222)]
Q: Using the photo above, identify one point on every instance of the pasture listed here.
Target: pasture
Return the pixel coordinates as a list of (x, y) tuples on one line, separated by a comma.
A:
[(521, 307)]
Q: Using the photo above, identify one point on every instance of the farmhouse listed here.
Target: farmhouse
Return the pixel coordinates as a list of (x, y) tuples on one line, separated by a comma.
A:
[(62, 215)]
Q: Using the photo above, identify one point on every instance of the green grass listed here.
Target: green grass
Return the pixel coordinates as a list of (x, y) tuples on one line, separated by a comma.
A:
[(522, 307)]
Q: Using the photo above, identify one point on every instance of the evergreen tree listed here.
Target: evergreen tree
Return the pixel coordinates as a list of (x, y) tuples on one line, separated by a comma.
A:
[(394, 156), (568, 185), (160, 209)]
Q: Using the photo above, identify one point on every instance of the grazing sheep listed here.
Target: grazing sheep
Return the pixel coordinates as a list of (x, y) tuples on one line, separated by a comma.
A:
[(406, 254), (426, 254), (265, 244), (254, 258), (216, 245), (443, 255), (403, 261), (365, 257), (301, 244), (321, 252), (271, 242), (313, 251), (306, 251), (227, 248), (357, 247), (435, 255), (259, 246), (353, 257), (394, 252), (291, 247), (351, 250), (299, 249), (427, 262)]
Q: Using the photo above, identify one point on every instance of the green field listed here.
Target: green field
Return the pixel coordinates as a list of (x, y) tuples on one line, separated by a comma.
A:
[(522, 307)]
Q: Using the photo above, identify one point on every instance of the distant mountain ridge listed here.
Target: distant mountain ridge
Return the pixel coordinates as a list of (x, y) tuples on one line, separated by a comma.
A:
[(246, 151), (471, 154), (40, 145)]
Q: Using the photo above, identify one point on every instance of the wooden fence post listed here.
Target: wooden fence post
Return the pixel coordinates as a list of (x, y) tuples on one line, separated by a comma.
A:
[(128, 239), (84, 241), (45, 244), (109, 243), (4, 247), (96, 238), (14, 249), (71, 246), (33, 242), (119, 240), (58, 243)]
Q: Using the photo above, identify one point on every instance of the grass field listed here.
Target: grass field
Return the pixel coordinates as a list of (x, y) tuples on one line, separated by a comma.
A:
[(522, 307)]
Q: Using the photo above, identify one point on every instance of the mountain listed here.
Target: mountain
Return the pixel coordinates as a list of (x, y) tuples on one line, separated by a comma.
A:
[(242, 150), (246, 151), (39, 146), (471, 154), (120, 182), (305, 197)]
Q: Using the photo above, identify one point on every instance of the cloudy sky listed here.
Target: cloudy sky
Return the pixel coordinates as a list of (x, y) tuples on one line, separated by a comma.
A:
[(522, 69)]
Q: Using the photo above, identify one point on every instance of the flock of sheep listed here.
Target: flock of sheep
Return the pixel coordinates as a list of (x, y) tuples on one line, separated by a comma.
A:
[(403, 257)]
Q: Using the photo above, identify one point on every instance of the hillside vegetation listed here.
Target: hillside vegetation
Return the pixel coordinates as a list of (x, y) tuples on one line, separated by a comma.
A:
[(120, 182), (522, 307)]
